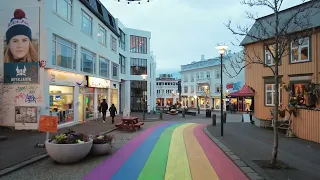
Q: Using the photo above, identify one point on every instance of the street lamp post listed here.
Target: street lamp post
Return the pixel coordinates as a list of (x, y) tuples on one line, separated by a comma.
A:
[(144, 78), (221, 51)]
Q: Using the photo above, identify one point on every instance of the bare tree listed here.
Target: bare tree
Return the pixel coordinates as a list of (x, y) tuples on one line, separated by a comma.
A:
[(275, 32)]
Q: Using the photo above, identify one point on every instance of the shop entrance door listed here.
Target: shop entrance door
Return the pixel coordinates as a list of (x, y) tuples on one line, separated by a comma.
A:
[(80, 108)]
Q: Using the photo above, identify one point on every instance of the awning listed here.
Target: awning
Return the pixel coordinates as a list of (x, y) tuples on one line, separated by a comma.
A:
[(243, 92)]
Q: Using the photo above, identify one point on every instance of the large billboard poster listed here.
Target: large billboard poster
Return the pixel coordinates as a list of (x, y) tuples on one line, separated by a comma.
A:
[(21, 44)]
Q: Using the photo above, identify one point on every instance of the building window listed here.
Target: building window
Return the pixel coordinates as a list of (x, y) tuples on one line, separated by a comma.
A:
[(268, 58), (122, 40), (300, 94), (192, 77), (208, 74), (122, 62), (115, 69), (217, 74), (138, 44), (61, 103), (88, 61), (201, 75), (104, 67), (269, 93), (138, 66), (218, 88), (102, 36), (185, 78), (63, 8), (192, 89), (86, 25), (300, 50), (113, 44), (64, 53), (185, 89), (197, 75)]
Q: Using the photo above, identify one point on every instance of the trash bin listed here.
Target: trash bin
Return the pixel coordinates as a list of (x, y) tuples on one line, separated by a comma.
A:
[(208, 113)]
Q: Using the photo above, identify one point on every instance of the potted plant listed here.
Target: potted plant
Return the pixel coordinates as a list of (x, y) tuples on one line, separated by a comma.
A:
[(102, 144), (68, 147)]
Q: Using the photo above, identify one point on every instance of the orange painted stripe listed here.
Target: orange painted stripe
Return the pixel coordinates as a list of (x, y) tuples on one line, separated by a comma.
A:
[(200, 166)]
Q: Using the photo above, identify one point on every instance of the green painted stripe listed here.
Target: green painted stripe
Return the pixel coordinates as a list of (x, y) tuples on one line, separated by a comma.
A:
[(155, 167)]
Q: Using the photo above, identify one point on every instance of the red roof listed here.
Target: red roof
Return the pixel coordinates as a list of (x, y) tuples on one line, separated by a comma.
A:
[(244, 91)]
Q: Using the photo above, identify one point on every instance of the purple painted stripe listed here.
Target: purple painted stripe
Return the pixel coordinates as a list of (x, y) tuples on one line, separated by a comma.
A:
[(106, 169)]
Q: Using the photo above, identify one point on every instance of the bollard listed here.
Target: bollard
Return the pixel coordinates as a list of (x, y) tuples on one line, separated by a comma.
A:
[(224, 117), (214, 120), (161, 112), (198, 110), (184, 113)]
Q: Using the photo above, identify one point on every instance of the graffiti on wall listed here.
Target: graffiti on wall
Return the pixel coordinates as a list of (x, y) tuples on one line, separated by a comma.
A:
[(28, 94)]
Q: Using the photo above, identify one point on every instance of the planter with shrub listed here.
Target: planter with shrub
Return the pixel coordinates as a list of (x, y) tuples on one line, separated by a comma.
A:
[(102, 145)]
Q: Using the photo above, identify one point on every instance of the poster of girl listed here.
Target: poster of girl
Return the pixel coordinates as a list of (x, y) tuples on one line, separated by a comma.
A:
[(19, 45)]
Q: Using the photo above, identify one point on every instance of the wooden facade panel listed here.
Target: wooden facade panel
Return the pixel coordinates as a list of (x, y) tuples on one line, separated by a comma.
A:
[(307, 125)]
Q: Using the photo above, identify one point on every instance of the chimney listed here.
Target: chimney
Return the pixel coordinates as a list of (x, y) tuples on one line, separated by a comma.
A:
[(202, 57)]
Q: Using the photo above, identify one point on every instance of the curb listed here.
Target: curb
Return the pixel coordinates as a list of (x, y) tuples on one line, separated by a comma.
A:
[(15, 167), (245, 168)]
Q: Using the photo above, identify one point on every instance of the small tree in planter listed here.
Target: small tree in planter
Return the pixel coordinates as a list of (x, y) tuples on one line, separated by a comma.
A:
[(102, 144), (69, 147)]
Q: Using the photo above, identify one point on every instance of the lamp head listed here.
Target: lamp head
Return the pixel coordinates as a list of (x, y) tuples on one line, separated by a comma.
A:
[(222, 49), (144, 76)]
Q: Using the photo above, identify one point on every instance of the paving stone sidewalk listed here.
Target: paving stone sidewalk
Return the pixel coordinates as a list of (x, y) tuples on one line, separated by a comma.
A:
[(20, 144), (248, 143)]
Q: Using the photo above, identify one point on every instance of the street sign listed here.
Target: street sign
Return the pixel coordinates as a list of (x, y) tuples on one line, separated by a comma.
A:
[(48, 123)]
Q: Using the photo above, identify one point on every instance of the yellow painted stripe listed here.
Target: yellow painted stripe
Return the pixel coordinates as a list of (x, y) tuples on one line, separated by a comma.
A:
[(177, 164), (200, 166)]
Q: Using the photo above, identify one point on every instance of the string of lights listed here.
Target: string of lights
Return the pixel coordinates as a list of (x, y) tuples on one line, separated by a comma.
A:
[(133, 1)]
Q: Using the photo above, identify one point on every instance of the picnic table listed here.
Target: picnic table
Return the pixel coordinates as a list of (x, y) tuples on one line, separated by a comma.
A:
[(130, 123)]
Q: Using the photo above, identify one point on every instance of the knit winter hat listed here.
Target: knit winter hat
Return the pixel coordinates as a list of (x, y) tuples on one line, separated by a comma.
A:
[(18, 26)]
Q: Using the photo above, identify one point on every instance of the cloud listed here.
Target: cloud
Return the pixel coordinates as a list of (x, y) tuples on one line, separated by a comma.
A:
[(182, 30)]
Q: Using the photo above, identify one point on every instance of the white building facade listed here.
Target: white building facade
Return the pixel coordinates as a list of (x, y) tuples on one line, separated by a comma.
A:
[(167, 90), (201, 82), (80, 51)]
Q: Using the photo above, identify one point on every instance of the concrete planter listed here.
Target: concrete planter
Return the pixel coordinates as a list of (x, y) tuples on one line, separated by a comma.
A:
[(68, 153), (101, 149)]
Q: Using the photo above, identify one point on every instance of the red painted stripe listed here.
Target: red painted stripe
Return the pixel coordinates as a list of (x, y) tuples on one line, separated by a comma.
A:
[(221, 163)]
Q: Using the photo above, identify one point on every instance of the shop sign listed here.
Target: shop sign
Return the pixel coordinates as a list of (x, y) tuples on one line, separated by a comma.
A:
[(48, 123), (98, 82), (16, 73), (56, 77), (235, 86)]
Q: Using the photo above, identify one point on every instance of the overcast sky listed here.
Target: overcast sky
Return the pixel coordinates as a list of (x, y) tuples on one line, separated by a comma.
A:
[(182, 30)]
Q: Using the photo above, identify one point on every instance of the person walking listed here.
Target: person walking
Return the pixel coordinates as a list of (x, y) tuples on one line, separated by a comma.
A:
[(113, 112), (103, 108)]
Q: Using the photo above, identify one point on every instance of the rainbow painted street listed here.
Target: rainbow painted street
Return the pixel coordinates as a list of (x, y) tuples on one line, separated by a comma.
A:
[(170, 151)]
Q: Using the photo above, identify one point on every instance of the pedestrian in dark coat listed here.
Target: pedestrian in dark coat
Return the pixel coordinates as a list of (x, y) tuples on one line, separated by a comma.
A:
[(113, 112), (103, 108)]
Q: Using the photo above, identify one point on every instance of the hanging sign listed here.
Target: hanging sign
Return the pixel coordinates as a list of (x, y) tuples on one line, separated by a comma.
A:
[(98, 82)]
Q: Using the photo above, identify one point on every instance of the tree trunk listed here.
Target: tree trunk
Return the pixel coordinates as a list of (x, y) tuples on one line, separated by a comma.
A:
[(275, 117)]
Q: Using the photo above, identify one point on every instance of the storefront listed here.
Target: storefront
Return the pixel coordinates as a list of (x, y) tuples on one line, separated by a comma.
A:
[(114, 98), (92, 96), (243, 99), (63, 90)]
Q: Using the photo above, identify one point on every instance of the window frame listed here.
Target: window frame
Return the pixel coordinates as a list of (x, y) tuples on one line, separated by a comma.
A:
[(112, 72), (104, 31), (55, 10), (217, 86), (94, 55), (192, 89), (122, 63), (138, 62), (113, 44), (268, 53), (185, 89), (272, 91), (122, 40), (106, 61), (74, 50), (136, 41), (299, 50), (90, 20), (217, 74)]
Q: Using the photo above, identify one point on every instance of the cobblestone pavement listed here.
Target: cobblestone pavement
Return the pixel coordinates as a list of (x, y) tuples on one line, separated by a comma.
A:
[(47, 169)]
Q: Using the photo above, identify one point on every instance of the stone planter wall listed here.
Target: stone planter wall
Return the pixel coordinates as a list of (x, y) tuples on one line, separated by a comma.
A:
[(101, 149)]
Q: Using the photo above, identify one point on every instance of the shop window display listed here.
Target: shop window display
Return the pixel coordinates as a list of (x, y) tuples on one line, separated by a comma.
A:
[(61, 103)]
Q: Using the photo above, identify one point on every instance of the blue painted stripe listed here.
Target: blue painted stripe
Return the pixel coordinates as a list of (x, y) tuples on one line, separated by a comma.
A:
[(131, 169)]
